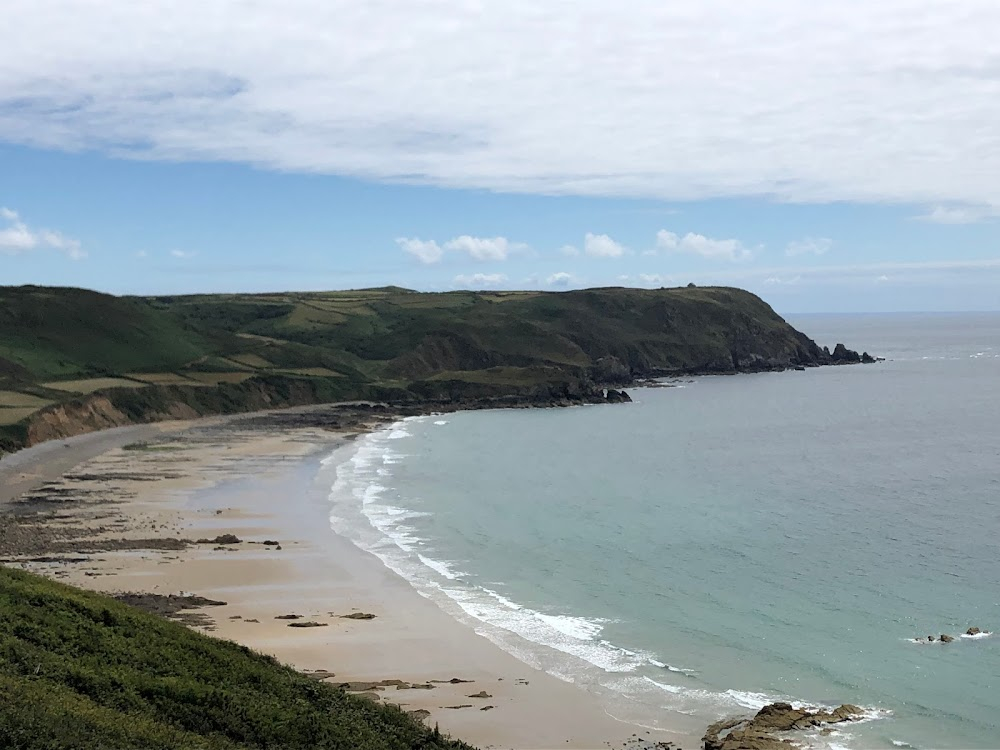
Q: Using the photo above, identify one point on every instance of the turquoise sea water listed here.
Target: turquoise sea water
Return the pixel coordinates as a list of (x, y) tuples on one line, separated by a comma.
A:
[(730, 541)]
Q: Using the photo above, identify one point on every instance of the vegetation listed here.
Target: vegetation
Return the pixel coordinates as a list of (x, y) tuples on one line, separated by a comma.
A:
[(79, 670), (163, 356)]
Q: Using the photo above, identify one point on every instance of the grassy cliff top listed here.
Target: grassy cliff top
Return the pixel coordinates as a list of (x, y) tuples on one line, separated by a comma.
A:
[(80, 670)]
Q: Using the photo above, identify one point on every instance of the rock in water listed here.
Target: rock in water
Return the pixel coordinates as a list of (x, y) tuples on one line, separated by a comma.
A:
[(842, 354), (946, 639), (779, 717), (758, 733), (973, 631)]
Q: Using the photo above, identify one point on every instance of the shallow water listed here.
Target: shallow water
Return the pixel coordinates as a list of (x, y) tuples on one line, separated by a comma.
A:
[(729, 541)]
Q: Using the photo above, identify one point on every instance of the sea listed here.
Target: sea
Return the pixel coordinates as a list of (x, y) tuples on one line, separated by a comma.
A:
[(727, 541)]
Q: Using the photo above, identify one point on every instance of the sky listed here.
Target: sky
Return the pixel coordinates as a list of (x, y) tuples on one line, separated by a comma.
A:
[(828, 156)]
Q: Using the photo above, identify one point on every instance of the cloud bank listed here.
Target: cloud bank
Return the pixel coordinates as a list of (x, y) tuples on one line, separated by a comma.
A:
[(892, 101)]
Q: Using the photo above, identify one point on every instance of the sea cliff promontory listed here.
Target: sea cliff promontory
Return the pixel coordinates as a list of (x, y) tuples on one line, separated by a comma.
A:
[(74, 361)]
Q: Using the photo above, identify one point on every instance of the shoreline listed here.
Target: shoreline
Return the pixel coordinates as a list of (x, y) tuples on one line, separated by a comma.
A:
[(259, 480)]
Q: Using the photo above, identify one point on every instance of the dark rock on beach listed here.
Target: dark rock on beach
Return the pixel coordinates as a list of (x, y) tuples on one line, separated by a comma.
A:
[(223, 539), (173, 607), (358, 616), (309, 624), (320, 674)]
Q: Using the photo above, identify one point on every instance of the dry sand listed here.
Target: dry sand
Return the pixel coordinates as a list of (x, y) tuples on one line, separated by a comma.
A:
[(228, 476)]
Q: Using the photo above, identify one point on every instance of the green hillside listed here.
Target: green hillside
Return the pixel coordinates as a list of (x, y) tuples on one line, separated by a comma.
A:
[(69, 352), (79, 670)]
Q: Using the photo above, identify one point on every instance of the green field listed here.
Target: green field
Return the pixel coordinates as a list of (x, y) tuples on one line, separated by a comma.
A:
[(13, 414), (80, 671), (14, 399), (89, 385)]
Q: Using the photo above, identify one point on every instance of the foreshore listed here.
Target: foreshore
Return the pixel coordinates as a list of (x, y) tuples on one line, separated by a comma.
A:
[(123, 511)]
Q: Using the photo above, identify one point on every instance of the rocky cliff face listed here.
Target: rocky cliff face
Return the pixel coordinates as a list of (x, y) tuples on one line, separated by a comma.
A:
[(75, 418)]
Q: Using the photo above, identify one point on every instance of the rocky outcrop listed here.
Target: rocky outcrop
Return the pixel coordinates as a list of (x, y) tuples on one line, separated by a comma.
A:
[(617, 397), (843, 355), (973, 631), (946, 639), (761, 732)]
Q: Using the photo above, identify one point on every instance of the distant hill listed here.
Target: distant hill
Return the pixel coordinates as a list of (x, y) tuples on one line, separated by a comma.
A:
[(73, 360), (80, 670)]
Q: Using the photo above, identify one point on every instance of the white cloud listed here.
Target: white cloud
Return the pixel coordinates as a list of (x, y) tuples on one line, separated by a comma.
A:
[(183, 254), (853, 100), (142, 254), (809, 246), (957, 215), (480, 280), (783, 280), (426, 251), (602, 246), (569, 250), (699, 244), (17, 238), (562, 279), (480, 248)]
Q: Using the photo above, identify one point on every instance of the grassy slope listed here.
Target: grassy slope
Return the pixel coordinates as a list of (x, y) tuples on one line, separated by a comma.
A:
[(366, 343), (79, 670), (62, 333)]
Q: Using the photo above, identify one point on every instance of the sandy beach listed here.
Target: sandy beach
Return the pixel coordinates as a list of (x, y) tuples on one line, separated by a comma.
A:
[(124, 511)]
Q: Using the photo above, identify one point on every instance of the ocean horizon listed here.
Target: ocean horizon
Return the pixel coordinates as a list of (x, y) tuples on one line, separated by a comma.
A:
[(725, 542)]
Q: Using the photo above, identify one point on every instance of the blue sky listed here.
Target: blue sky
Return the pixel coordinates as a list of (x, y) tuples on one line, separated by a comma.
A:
[(827, 159)]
